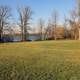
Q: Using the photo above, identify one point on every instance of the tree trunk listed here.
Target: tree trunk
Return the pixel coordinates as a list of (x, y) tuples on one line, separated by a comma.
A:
[(75, 37), (0, 34), (0, 37), (22, 35), (55, 37), (79, 33)]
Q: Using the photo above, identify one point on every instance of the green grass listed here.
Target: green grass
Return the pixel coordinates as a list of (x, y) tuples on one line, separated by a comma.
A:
[(46, 60)]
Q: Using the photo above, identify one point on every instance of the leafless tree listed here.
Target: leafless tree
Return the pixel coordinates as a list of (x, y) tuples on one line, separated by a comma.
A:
[(5, 13), (41, 28), (55, 17), (74, 25), (25, 14), (48, 30), (65, 24)]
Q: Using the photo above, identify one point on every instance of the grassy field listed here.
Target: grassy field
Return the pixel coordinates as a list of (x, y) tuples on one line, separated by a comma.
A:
[(49, 60)]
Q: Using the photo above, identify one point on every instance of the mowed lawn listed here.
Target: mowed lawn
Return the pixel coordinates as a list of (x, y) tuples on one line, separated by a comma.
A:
[(46, 60)]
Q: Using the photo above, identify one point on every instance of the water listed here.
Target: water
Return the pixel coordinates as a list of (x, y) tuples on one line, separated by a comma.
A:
[(31, 37)]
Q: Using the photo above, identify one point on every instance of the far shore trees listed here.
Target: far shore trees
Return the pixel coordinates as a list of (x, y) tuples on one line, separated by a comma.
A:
[(25, 14)]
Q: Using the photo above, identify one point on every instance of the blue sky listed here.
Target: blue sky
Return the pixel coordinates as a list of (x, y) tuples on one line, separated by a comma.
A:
[(41, 8)]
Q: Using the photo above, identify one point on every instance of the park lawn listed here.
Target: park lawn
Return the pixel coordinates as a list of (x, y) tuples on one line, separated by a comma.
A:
[(45, 60)]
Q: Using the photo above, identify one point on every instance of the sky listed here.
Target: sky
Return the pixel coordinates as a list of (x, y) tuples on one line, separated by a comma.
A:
[(41, 8)]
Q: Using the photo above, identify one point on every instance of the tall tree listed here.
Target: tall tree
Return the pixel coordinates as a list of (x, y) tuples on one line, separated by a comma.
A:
[(25, 14), (65, 24), (48, 30), (55, 17), (74, 24), (41, 28), (78, 10), (5, 13)]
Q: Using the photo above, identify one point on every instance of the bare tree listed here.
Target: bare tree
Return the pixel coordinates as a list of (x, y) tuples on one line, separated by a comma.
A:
[(55, 17), (25, 14), (48, 29), (5, 13), (65, 24), (41, 28), (74, 24)]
